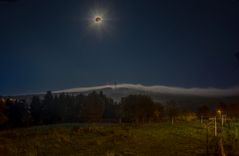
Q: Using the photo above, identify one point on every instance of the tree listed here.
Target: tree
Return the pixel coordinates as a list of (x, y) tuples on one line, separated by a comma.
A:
[(76, 107), (68, 107), (36, 110), (3, 117), (110, 111), (60, 104), (18, 113), (93, 108), (233, 110), (223, 107), (158, 111), (203, 110), (48, 108), (187, 114), (137, 108), (172, 111)]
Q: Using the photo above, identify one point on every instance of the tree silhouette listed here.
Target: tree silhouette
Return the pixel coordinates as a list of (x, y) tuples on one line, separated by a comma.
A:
[(3, 117), (158, 111), (172, 110), (203, 110), (36, 110), (48, 111), (93, 108), (18, 113), (137, 108)]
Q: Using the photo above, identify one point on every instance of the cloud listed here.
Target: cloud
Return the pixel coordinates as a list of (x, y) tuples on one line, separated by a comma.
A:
[(161, 89)]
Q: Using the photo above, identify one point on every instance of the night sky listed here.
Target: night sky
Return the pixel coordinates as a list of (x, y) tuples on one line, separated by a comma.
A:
[(51, 45)]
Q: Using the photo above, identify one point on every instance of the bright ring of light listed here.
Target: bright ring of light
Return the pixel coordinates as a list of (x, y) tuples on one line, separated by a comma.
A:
[(98, 19)]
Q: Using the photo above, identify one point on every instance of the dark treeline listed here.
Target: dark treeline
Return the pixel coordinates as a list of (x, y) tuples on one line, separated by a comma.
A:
[(96, 107)]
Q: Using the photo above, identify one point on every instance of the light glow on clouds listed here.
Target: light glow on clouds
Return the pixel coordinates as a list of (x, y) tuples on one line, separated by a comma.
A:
[(211, 92)]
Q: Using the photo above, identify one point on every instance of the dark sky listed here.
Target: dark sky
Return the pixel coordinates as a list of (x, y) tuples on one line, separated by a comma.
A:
[(48, 44)]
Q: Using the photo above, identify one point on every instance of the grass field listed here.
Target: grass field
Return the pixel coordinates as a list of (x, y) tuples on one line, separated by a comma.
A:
[(161, 139)]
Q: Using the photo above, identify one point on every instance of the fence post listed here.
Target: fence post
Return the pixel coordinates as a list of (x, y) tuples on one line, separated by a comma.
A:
[(207, 140), (215, 126), (222, 120), (236, 134)]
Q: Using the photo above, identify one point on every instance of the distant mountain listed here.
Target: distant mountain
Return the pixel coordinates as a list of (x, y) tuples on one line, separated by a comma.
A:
[(183, 96), (190, 97), (204, 92)]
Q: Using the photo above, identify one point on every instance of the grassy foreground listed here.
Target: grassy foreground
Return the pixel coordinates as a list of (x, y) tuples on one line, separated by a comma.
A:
[(181, 139)]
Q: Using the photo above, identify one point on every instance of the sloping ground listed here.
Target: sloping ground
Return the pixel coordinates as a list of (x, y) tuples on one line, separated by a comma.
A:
[(181, 139)]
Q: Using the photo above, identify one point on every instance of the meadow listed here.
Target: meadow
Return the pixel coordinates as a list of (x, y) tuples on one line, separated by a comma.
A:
[(152, 139)]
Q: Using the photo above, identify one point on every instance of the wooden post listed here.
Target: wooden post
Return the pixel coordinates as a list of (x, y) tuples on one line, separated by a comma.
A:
[(215, 126), (236, 133), (201, 119), (225, 120), (222, 120), (207, 141), (221, 147)]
